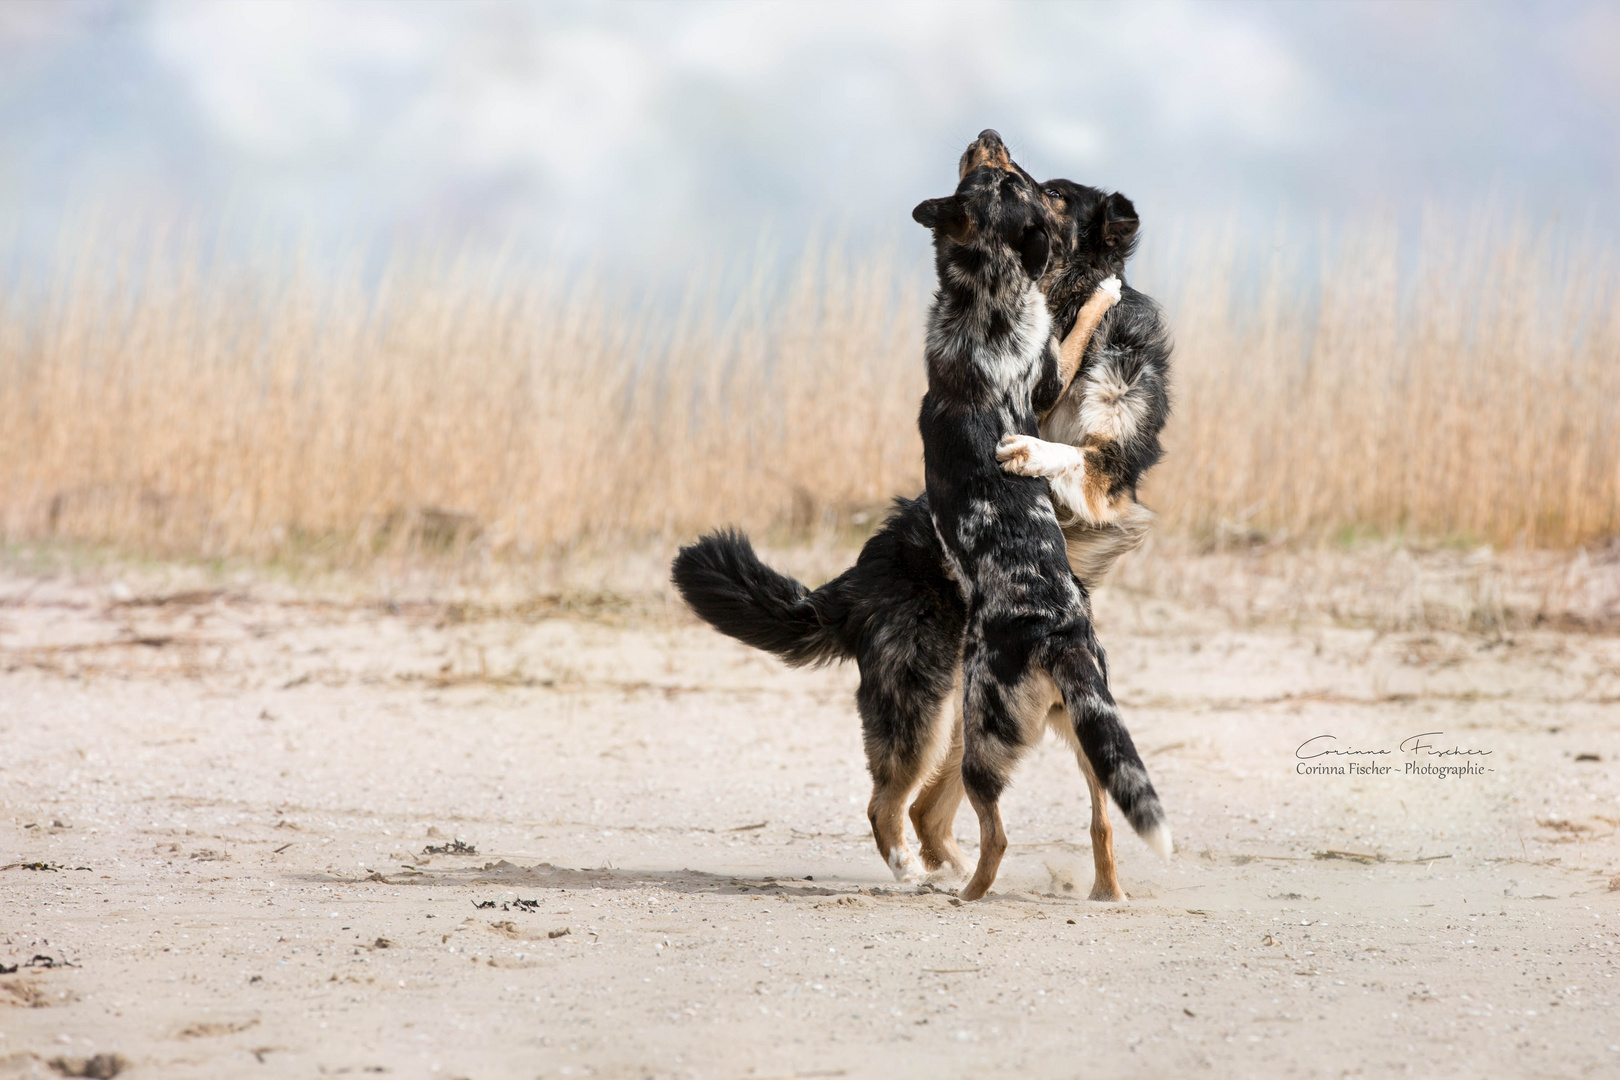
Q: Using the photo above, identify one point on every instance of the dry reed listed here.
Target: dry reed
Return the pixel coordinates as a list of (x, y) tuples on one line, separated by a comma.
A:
[(174, 405), (1464, 387)]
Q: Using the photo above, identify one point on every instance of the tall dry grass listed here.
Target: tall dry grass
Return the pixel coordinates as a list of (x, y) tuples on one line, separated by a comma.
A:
[(1467, 383), (1463, 382)]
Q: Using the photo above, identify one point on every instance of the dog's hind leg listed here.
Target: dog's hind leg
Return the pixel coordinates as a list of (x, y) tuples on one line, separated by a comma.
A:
[(1105, 886), (893, 780), (986, 760), (992, 838), (933, 815), (1076, 663), (906, 721), (998, 721)]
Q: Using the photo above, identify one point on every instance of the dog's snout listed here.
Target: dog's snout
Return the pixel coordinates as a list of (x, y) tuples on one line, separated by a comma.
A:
[(987, 149)]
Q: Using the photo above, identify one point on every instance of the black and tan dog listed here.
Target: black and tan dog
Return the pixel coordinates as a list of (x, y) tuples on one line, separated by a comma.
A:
[(1028, 649), (899, 614), (1107, 423)]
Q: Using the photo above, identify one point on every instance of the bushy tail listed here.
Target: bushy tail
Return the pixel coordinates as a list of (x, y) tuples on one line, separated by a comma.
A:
[(722, 580), (1079, 673)]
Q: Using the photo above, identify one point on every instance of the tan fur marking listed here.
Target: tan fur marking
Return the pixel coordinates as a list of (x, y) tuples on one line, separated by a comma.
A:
[(1074, 346), (1094, 549), (1102, 506), (1105, 886), (934, 813), (895, 778), (1031, 703), (992, 846), (1082, 492), (977, 155), (886, 811)]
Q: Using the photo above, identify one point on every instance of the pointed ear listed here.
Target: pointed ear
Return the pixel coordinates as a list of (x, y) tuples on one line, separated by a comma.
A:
[(1034, 248), (945, 215), (1119, 222)]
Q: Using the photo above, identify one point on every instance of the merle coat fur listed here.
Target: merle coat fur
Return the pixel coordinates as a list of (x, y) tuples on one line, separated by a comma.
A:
[(993, 369), (1117, 405), (899, 614)]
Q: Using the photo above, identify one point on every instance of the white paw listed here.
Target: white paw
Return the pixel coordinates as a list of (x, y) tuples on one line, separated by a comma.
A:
[(905, 868), (1024, 455), (1110, 287), (1013, 451)]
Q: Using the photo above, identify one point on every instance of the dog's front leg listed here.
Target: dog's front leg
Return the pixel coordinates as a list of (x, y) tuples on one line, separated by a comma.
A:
[(1085, 324), (1063, 466), (1025, 455), (1078, 492)]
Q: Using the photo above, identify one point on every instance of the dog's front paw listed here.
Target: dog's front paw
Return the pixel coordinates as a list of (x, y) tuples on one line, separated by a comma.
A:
[(1110, 287), (1015, 453), (1024, 455)]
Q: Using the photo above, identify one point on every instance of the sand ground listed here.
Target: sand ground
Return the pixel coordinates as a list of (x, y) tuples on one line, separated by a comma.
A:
[(214, 807)]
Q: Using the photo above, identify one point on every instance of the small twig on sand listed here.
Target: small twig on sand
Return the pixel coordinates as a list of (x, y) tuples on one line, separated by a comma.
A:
[(1332, 853)]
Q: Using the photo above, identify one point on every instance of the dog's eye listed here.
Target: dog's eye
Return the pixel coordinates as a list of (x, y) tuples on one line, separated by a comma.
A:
[(1054, 193)]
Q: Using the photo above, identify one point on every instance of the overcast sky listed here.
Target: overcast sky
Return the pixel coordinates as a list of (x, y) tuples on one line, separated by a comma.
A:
[(648, 135)]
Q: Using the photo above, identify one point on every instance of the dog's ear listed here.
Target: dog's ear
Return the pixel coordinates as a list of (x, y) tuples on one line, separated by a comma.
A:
[(945, 215), (927, 212), (1034, 248), (1119, 222)]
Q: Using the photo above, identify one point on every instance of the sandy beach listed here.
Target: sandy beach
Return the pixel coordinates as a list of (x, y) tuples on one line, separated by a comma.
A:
[(254, 831)]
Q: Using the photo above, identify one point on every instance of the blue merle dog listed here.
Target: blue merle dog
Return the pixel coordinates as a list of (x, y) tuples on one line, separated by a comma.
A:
[(993, 369), (899, 613)]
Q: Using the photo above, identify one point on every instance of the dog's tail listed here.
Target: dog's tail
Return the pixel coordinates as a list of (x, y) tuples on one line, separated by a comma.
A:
[(1094, 549), (1081, 676), (722, 580)]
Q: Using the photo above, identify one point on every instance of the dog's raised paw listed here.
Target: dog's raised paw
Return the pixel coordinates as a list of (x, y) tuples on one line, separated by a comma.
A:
[(1110, 286), (1026, 456), (1014, 452)]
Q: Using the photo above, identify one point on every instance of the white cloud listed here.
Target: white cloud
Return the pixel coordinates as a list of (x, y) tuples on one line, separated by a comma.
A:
[(282, 79), (1214, 71), (690, 125)]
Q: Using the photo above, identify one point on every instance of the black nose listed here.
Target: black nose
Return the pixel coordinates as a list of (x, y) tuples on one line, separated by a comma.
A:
[(991, 136)]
